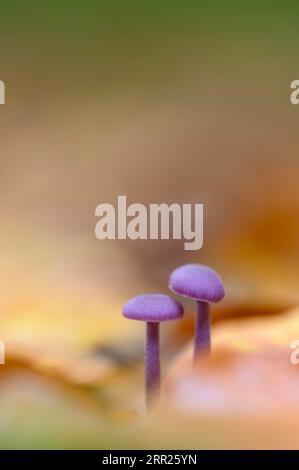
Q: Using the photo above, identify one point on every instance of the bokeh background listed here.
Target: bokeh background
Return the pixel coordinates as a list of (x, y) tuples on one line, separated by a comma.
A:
[(162, 101)]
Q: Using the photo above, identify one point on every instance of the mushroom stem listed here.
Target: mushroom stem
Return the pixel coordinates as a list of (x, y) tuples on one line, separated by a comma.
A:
[(202, 341), (152, 361)]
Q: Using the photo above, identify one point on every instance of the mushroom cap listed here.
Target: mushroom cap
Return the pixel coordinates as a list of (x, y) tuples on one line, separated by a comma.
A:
[(153, 308), (197, 282)]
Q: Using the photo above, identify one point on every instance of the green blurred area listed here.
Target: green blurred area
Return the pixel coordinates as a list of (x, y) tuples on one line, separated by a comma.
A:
[(132, 44)]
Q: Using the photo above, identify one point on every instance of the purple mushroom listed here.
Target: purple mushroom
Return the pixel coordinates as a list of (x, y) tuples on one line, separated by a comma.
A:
[(152, 308), (202, 284)]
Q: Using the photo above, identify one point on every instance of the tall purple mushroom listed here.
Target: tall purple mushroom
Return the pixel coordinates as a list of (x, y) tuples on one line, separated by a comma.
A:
[(153, 309), (202, 284)]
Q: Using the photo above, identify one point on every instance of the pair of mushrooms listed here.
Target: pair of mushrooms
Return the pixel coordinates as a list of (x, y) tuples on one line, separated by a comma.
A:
[(195, 281)]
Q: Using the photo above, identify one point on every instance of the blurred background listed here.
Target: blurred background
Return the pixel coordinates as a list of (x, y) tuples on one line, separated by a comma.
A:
[(162, 102)]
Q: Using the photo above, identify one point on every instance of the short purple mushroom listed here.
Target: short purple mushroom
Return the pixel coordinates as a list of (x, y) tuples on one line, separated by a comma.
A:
[(153, 309), (202, 284)]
